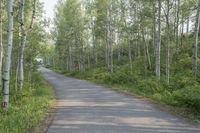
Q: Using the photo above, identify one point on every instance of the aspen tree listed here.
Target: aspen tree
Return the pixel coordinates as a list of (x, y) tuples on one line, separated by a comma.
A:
[(158, 47), (1, 41), (8, 54), (195, 43), (25, 30)]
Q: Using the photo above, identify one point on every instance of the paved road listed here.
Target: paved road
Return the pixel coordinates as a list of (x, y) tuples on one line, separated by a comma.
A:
[(84, 107)]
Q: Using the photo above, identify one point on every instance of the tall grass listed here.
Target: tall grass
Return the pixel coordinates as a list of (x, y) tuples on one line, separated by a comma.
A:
[(27, 107)]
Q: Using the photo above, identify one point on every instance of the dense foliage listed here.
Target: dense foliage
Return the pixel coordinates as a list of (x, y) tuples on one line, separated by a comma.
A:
[(25, 96), (147, 46), (28, 107)]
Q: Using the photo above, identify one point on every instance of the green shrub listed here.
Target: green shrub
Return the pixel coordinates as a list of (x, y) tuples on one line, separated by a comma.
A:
[(149, 87), (182, 80), (157, 96), (188, 97), (101, 76), (27, 107)]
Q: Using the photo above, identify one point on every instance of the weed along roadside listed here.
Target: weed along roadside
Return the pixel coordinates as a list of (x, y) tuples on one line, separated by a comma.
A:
[(28, 107)]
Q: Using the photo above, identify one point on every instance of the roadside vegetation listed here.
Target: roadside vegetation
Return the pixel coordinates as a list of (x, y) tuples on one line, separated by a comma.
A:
[(28, 107), (25, 96), (182, 98), (144, 47)]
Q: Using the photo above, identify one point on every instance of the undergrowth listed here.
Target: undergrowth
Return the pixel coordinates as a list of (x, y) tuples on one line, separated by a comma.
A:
[(27, 107)]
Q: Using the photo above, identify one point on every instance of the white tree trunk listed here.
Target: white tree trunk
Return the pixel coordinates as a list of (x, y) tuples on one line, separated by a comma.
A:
[(195, 43), (20, 75), (130, 54), (24, 31), (168, 43), (21, 63), (1, 43), (6, 78), (177, 26), (158, 43), (154, 28), (188, 24)]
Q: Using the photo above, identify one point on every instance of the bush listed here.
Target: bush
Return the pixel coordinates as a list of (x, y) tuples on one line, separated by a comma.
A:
[(188, 97), (182, 80), (101, 76), (27, 107), (149, 87)]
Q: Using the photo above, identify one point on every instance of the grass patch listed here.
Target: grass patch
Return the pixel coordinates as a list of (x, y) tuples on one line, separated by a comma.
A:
[(27, 107)]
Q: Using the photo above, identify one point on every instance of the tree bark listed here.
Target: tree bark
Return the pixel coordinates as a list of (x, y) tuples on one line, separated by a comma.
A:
[(188, 24), (154, 28), (21, 63), (168, 43), (195, 43), (177, 26), (145, 53), (6, 77), (110, 37), (1, 42), (24, 31), (158, 43)]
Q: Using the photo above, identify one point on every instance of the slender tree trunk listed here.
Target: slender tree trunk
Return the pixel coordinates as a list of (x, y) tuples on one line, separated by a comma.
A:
[(119, 52), (130, 54), (21, 63), (138, 49), (188, 24), (20, 75), (118, 46), (6, 78), (110, 37), (154, 28), (23, 40), (147, 58), (195, 43), (177, 26), (175, 18), (145, 53), (80, 56), (88, 59), (107, 49), (95, 54), (108, 42), (30, 73), (69, 59), (158, 43), (129, 45), (148, 55), (182, 31), (16, 77), (88, 54), (167, 44), (1, 42)]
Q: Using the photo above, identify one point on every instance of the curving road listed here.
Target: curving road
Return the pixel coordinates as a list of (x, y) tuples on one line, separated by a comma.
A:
[(84, 107)]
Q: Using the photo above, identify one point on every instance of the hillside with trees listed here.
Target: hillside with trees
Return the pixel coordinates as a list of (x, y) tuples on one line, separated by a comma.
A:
[(147, 47)]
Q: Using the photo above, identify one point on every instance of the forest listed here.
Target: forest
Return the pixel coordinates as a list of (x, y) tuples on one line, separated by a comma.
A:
[(25, 95), (146, 48)]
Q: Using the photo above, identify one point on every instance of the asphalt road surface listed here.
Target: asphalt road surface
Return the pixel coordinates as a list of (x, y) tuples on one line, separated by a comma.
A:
[(84, 107)]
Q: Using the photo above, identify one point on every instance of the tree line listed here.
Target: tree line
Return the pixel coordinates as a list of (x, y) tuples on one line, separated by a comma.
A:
[(159, 33), (22, 37)]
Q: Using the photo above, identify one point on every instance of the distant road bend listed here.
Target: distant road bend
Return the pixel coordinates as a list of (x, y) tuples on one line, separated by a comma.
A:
[(84, 107)]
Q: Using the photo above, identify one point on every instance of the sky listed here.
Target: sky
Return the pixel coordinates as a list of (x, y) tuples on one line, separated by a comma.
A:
[(49, 7)]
